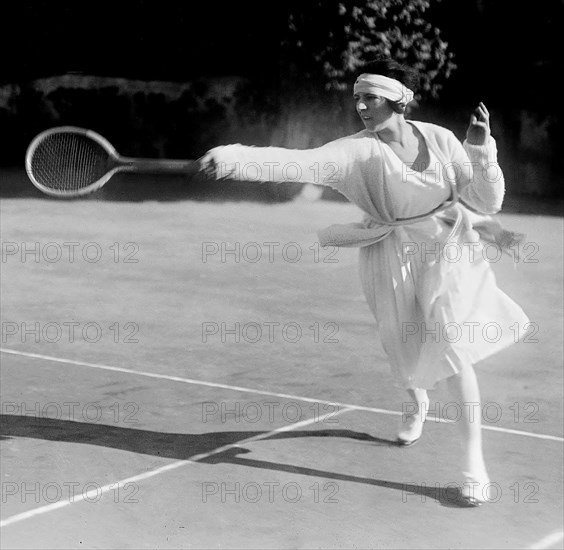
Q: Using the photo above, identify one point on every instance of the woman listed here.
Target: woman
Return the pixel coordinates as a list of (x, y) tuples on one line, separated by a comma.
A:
[(425, 277)]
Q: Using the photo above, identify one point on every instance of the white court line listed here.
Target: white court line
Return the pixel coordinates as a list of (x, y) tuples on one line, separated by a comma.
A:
[(99, 491), (261, 392), (549, 541)]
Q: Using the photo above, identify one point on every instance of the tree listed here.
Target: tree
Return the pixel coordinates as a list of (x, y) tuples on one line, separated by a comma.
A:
[(328, 40)]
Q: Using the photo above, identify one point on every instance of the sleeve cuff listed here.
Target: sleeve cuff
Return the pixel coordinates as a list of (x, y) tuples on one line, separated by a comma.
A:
[(483, 154)]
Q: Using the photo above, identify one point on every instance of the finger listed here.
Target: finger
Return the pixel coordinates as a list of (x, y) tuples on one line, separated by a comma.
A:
[(478, 123), (484, 115), (481, 114), (484, 108)]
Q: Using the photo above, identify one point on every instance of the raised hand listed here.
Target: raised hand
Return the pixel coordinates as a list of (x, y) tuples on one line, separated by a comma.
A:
[(478, 132)]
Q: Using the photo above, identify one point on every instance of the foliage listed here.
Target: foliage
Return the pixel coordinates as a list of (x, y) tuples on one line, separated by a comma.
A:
[(329, 40)]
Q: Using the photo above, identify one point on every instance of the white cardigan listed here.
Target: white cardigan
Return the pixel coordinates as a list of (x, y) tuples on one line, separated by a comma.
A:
[(353, 165)]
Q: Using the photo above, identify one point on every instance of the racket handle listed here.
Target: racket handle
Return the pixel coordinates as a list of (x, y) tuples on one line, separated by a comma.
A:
[(155, 166)]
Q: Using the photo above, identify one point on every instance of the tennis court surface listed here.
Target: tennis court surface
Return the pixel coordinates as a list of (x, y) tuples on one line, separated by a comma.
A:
[(203, 375)]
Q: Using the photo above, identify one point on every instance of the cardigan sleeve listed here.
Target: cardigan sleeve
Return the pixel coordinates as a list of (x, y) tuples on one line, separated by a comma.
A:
[(480, 180), (333, 164)]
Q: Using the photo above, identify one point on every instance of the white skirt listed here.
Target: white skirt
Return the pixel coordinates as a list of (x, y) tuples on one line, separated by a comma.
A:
[(437, 305)]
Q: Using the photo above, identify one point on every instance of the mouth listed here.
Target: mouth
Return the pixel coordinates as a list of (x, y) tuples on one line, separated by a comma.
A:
[(365, 117)]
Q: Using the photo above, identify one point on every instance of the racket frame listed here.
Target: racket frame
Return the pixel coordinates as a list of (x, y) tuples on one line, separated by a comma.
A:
[(117, 163)]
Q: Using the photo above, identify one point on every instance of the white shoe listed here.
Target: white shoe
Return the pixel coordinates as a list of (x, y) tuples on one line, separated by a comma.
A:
[(412, 425), (475, 488)]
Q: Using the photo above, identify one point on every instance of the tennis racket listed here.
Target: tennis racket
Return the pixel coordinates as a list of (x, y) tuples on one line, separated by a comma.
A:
[(70, 162)]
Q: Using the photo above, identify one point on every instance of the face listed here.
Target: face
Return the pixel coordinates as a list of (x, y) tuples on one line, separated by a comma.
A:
[(374, 111)]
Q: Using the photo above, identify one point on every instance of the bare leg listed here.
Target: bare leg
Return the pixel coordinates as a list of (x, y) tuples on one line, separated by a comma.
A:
[(465, 391), (413, 417)]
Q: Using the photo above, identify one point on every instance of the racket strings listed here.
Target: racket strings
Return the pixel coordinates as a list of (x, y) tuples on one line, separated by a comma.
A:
[(69, 162)]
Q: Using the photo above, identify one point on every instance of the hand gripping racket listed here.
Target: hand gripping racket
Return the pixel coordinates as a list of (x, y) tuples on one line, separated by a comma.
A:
[(70, 162)]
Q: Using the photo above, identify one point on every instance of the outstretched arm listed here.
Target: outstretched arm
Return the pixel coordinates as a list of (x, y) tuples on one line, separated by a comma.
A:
[(330, 165)]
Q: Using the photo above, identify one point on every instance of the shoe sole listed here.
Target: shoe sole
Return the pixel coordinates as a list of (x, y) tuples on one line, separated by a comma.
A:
[(403, 443), (470, 502)]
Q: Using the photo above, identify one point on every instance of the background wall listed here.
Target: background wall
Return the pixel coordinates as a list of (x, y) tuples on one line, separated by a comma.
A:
[(168, 79)]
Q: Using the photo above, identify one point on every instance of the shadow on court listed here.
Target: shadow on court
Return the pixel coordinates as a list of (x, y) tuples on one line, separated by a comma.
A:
[(445, 496), (183, 446)]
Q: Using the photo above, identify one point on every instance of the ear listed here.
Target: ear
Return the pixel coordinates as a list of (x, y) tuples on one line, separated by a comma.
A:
[(399, 107)]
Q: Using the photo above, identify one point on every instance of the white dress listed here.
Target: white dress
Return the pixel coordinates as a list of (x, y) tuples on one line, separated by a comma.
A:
[(437, 307), (429, 285)]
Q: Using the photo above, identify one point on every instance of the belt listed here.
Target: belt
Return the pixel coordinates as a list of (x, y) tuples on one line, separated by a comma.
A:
[(373, 230)]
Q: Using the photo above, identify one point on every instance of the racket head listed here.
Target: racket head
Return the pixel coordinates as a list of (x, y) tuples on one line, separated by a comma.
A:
[(68, 161)]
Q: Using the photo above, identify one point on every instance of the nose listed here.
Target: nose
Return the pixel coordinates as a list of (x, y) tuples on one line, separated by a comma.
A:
[(362, 106)]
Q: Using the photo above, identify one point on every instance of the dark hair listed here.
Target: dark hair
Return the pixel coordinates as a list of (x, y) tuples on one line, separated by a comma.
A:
[(392, 69)]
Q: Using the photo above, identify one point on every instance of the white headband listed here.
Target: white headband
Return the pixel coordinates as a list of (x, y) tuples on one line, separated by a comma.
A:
[(380, 85)]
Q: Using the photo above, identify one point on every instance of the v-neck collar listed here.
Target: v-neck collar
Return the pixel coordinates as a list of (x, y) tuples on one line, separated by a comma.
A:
[(425, 141)]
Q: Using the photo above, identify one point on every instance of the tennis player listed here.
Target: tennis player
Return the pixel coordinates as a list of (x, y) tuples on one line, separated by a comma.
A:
[(428, 201)]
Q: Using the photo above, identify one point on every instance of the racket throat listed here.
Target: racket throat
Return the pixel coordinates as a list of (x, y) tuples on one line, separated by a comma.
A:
[(156, 166)]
